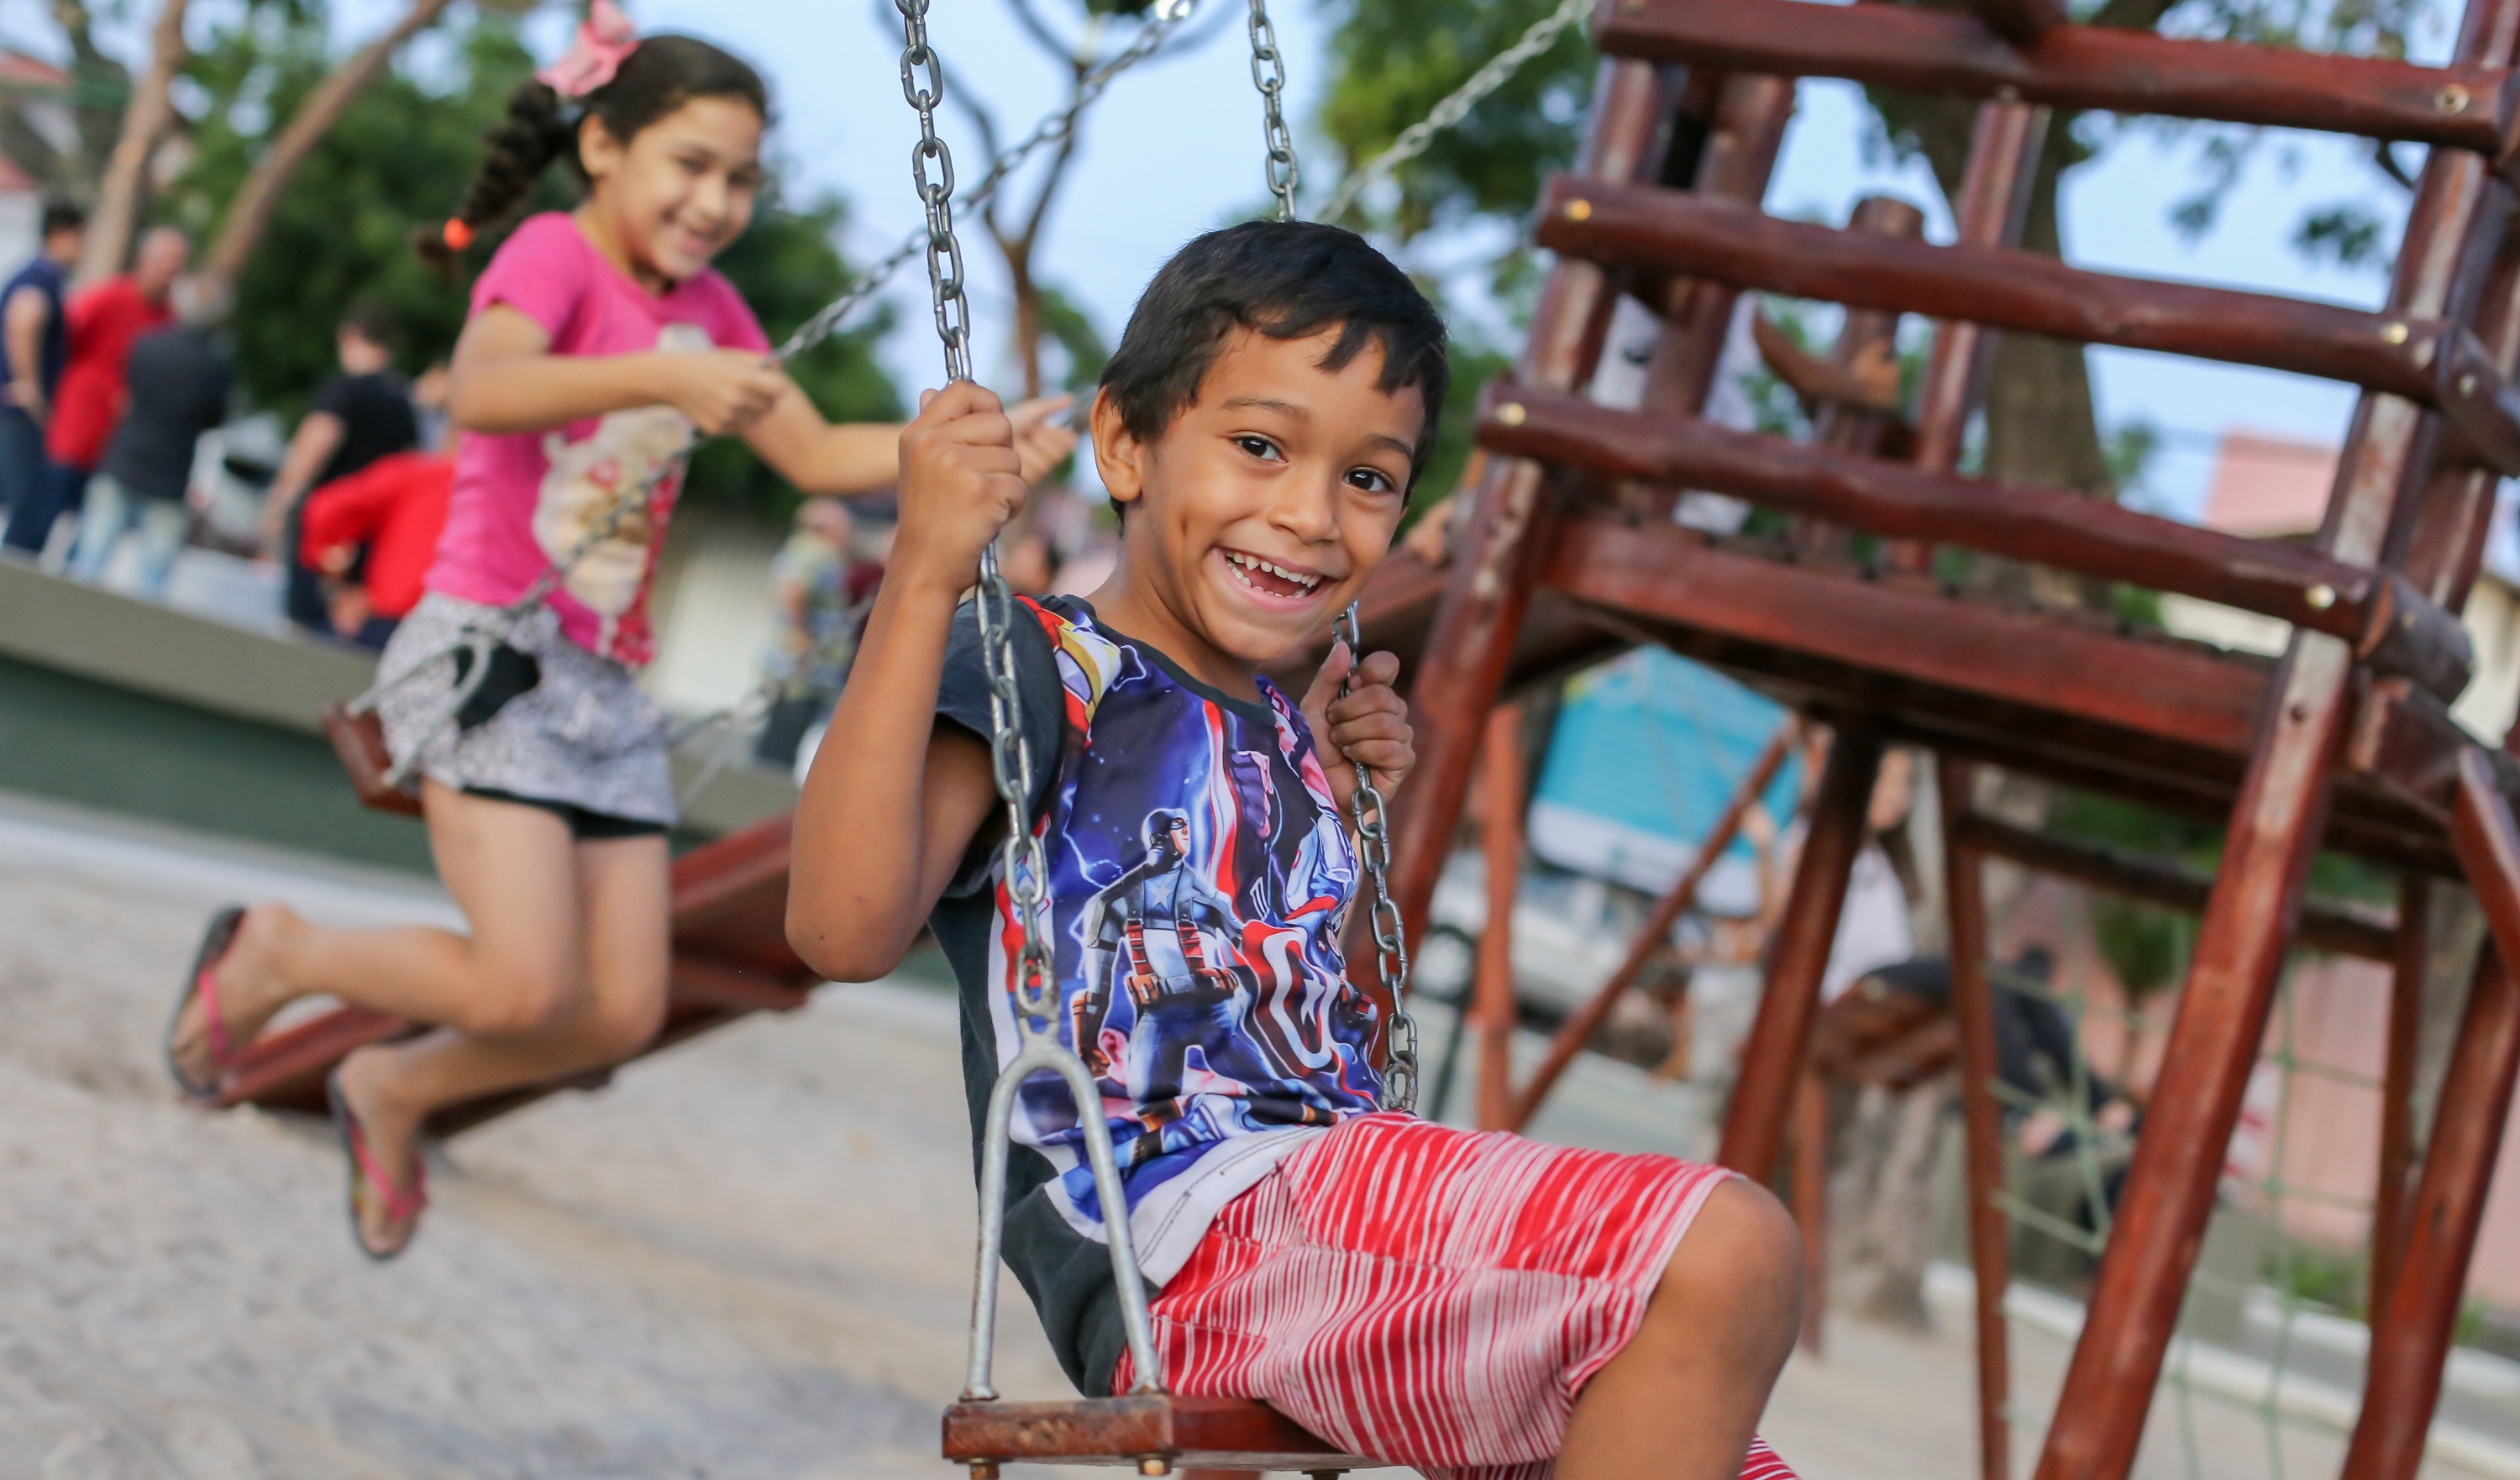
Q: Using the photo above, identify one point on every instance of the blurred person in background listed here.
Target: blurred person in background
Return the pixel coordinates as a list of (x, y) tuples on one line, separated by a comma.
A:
[(392, 509), (363, 413), (36, 337), (104, 321), (823, 586), (179, 380)]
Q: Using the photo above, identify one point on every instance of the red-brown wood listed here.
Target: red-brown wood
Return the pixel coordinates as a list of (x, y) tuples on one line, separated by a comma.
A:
[(2426, 360), (1193, 1433), (2445, 545), (2021, 21), (2273, 833), (1511, 520), (1491, 1002), (2418, 1314), (1973, 1009), (2344, 929), (1651, 938), (2467, 107), (1771, 1060), (1811, 1205), (2051, 526), (2398, 1085)]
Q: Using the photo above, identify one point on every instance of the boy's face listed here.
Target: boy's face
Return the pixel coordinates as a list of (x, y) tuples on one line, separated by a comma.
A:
[(1264, 508)]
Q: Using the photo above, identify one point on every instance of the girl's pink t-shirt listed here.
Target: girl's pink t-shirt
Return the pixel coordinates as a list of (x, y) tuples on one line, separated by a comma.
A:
[(522, 502)]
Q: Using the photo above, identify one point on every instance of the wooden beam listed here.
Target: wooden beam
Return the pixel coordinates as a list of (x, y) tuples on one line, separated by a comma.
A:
[(1772, 1060), (1973, 1011), (2021, 21), (1580, 1026), (2398, 1086), (2337, 928), (2429, 361), (2046, 525), (2463, 105), (1492, 997)]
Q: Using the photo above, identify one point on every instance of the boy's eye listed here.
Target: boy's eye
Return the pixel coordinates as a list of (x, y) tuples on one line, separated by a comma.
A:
[(1258, 446), (1371, 480)]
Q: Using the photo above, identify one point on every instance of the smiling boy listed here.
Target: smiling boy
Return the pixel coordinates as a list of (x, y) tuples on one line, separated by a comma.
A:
[(1474, 1305)]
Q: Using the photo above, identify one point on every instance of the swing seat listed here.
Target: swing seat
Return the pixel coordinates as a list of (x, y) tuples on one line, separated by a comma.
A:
[(1157, 1433), (359, 740)]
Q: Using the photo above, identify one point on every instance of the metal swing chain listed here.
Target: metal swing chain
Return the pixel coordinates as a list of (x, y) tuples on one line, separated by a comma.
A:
[(1269, 74), (1021, 860), (1368, 811)]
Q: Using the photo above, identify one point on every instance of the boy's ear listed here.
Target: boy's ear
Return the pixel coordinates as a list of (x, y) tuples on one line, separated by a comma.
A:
[(1119, 457)]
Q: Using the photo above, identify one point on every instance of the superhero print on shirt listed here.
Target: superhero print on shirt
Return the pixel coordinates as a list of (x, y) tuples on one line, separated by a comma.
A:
[(1198, 879)]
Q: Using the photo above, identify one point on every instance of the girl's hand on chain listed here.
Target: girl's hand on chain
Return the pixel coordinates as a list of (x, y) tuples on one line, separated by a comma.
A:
[(1041, 443)]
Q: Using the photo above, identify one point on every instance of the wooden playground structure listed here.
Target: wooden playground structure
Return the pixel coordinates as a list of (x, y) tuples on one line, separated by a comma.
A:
[(1568, 555)]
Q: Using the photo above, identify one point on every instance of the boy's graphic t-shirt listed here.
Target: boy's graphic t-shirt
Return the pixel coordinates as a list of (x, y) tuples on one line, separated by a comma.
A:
[(522, 502), (1198, 877)]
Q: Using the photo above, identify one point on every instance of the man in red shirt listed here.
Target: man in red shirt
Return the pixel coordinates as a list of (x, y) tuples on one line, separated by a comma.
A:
[(104, 321)]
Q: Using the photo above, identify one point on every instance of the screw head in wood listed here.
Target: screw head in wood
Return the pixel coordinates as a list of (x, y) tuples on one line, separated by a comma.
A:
[(1511, 413), (2467, 383), (1579, 210), (2451, 99), (2320, 598), (2395, 333), (1154, 1464)]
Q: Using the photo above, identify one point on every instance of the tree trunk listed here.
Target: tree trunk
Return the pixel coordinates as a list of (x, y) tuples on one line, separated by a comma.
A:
[(126, 170), (1027, 298), (249, 212)]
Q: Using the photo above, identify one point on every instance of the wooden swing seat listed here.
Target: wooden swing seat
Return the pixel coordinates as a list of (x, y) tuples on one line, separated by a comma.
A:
[(1156, 1433)]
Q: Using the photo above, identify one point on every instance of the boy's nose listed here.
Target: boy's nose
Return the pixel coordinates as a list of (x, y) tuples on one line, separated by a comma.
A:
[(1308, 510)]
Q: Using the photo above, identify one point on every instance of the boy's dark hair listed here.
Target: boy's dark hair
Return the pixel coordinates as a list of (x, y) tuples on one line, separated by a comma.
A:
[(370, 321), (659, 76), (61, 216), (1289, 279)]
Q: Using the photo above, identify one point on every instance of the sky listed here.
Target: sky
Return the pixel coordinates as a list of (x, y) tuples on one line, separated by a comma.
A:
[(1174, 148)]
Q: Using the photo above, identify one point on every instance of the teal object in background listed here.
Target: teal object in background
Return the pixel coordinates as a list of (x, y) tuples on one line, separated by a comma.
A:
[(1647, 750)]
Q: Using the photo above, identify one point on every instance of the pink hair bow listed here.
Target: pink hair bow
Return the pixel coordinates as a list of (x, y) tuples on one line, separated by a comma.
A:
[(604, 39)]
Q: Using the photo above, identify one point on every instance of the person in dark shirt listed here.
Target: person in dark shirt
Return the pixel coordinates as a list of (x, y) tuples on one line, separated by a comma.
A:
[(360, 415), (35, 340), (179, 379)]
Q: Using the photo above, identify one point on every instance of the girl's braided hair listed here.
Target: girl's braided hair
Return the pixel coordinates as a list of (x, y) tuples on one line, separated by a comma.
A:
[(659, 76)]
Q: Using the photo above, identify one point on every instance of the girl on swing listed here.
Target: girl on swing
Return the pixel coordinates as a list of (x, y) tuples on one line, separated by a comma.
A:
[(599, 342), (1474, 1305)]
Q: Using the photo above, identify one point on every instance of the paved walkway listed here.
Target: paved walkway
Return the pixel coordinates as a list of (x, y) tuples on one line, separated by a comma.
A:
[(749, 1260)]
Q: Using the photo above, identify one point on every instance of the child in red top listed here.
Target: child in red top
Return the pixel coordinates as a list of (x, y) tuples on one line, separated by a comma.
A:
[(396, 508), (600, 344)]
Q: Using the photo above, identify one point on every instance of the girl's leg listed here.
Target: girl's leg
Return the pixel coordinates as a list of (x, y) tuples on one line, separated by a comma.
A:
[(1681, 1399), (620, 949), (513, 870)]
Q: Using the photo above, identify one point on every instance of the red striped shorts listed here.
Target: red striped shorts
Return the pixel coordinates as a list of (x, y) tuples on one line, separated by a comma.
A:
[(1428, 1295)]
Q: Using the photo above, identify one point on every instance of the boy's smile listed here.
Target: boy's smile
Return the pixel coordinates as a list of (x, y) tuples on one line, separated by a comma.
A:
[(1263, 506)]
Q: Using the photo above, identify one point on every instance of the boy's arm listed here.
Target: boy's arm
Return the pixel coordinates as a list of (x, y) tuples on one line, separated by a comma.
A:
[(895, 797)]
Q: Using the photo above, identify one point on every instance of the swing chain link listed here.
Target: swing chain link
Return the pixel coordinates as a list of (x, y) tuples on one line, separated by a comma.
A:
[(1022, 863), (1370, 814), (1269, 74)]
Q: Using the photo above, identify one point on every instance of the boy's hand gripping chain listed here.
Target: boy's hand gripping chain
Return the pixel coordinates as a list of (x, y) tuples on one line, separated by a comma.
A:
[(1035, 989)]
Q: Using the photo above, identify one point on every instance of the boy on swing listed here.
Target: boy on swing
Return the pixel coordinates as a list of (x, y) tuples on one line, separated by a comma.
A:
[(1473, 1305)]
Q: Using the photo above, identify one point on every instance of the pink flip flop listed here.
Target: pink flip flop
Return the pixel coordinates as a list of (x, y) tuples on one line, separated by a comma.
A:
[(369, 1179), (202, 982)]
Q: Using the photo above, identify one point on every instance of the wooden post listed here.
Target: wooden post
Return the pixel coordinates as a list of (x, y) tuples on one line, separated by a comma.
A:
[(1811, 1201), (2274, 835), (1491, 1001), (1579, 1028), (1511, 517), (1973, 1009), (2410, 1342), (2398, 1085), (1771, 1060), (1994, 200), (1472, 638)]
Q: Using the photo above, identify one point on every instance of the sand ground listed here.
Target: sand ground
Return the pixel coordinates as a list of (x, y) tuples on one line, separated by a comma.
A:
[(747, 1260)]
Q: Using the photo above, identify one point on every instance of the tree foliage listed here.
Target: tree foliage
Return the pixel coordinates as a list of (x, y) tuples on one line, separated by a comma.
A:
[(400, 158)]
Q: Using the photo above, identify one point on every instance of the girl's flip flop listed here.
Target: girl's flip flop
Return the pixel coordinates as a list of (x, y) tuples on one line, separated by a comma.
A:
[(403, 1205), (202, 982)]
